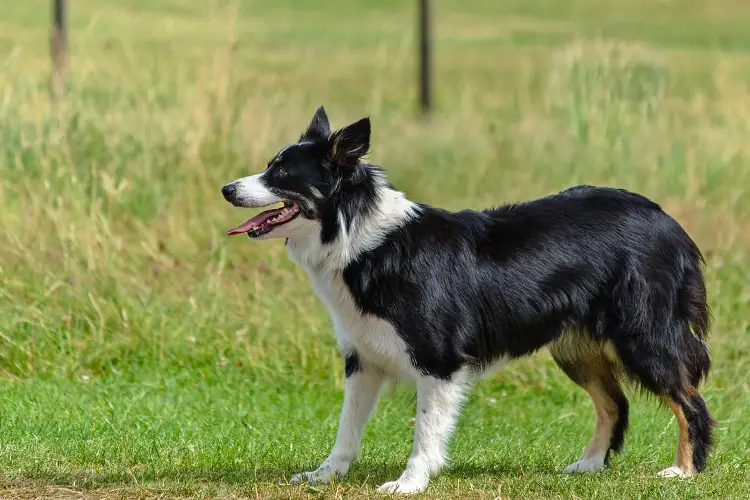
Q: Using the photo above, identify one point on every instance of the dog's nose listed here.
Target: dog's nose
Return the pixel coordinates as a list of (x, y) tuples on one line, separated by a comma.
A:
[(228, 191)]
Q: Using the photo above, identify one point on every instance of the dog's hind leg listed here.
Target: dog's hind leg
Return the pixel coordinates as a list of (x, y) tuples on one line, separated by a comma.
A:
[(587, 365), (694, 434), (668, 366)]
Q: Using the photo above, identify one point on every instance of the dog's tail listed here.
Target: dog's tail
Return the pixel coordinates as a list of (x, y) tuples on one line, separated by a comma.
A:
[(696, 362), (695, 307)]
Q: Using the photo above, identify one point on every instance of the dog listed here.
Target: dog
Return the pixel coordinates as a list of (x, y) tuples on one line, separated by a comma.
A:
[(604, 278)]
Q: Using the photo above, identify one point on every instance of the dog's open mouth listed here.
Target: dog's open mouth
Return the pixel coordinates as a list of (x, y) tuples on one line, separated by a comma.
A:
[(267, 220)]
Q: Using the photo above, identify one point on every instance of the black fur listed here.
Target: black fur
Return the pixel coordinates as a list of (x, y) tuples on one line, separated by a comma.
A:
[(621, 426), (352, 364), (700, 424), (474, 286)]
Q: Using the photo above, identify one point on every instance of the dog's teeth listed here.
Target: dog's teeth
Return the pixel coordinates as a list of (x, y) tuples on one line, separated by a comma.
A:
[(283, 213)]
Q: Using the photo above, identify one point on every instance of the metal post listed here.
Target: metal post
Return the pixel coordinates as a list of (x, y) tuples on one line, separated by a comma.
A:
[(59, 45), (424, 56)]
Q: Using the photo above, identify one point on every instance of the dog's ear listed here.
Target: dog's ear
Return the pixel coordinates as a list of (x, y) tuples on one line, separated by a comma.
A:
[(348, 145), (319, 128)]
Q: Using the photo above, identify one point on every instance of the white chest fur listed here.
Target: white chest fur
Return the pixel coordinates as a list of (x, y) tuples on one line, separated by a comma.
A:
[(374, 339)]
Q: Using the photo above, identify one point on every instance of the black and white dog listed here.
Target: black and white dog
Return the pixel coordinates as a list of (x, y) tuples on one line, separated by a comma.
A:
[(604, 277)]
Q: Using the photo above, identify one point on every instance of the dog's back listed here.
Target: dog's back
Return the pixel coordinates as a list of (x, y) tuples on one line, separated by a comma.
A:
[(515, 277)]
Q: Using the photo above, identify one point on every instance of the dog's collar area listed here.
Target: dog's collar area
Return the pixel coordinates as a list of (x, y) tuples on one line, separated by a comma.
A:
[(267, 220)]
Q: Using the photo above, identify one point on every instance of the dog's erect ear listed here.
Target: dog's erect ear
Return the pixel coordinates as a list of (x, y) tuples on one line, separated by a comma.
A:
[(319, 128), (350, 144)]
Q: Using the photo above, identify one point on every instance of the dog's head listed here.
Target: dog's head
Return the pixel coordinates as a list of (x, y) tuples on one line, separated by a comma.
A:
[(310, 178)]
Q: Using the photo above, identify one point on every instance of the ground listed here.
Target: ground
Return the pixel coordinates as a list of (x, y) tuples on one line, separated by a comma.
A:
[(145, 354)]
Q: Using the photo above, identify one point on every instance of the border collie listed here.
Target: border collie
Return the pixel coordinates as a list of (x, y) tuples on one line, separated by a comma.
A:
[(603, 277)]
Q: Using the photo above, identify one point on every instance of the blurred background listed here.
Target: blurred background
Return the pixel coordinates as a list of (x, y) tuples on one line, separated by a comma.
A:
[(142, 351)]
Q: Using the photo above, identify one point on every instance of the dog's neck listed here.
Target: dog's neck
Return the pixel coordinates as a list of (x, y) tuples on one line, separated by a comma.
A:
[(366, 230)]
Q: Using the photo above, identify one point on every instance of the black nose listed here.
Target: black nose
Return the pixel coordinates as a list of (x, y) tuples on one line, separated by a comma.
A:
[(228, 191)]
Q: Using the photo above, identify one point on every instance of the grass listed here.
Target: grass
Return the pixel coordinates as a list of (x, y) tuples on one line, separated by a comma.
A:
[(144, 354)]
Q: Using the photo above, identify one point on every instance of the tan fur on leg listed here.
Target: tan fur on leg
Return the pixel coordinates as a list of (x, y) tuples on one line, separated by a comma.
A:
[(683, 463), (594, 458), (606, 414), (589, 366)]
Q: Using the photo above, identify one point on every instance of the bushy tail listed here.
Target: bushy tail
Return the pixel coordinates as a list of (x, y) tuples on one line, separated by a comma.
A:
[(698, 316)]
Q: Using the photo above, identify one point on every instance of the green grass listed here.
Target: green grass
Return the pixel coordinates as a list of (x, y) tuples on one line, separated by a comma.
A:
[(142, 353)]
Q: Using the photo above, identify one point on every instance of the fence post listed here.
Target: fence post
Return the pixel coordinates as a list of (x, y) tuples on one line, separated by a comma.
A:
[(59, 45), (425, 96)]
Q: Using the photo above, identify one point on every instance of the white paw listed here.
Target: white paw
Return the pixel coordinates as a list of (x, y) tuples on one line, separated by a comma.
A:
[(673, 471), (323, 475), (404, 486), (594, 464)]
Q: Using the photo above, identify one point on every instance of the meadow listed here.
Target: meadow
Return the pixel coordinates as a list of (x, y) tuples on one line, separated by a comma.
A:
[(145, 354)]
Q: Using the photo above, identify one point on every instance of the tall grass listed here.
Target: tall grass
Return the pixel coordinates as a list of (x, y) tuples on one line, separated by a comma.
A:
[(112, 248)]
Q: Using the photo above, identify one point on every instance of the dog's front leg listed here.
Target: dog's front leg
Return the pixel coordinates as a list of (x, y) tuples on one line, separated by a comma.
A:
[(363, 384), (438, 406)]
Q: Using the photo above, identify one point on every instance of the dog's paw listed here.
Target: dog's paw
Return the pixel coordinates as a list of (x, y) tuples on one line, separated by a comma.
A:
[(323, 475), (673, 471), (404, 486), (585, 465)]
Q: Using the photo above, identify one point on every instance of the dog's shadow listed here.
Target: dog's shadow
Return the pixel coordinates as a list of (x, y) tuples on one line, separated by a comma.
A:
[(374, 474), (361, 474)]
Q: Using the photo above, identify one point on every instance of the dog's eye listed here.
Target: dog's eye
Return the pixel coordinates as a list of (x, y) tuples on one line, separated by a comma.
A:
[(280, 172)]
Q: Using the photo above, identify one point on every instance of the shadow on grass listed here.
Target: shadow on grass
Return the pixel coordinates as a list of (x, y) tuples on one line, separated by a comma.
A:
[(361, 474), (374, 474)]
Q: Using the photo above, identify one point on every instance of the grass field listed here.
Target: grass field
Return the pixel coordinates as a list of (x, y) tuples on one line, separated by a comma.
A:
[(144, 354)]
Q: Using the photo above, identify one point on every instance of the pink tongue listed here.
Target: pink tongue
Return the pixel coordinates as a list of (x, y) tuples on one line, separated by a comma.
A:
[(255, 221)]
